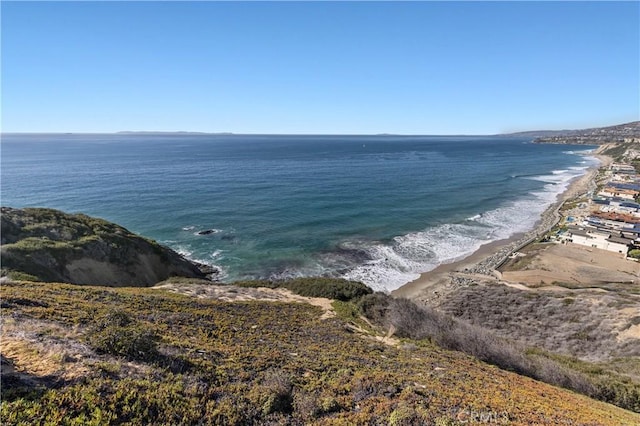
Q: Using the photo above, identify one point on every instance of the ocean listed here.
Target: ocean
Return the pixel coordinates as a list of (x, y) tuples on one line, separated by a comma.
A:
[(378, 209)]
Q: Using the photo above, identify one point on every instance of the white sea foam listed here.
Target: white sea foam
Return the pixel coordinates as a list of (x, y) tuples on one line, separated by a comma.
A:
[(393, 265), (403, 260), (560, 176), (188, 254), (579, 152), (183, 251)]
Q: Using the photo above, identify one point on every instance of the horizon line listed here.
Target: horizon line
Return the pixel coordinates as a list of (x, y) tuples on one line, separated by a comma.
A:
[(226, 133), (189, 133)]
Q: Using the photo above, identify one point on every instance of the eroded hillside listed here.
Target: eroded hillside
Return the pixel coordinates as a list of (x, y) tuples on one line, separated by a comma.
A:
[(49, 245)]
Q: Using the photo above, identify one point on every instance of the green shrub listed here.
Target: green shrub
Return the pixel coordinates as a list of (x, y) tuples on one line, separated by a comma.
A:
[(20, 276), (331, 288), (117, 334), (257, 363), (625, 395), (405, 416), (617, 150), (277, 396), (635, 253)]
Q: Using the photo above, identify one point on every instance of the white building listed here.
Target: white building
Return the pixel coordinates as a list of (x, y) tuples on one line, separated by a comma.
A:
[(611, 208), (599, 239), (611, 192)]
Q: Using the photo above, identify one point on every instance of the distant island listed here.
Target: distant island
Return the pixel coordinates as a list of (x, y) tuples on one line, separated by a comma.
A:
[(627, 132), (161, 133)]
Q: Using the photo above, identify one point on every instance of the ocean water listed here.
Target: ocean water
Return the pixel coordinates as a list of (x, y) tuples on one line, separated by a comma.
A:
[(379, 209)]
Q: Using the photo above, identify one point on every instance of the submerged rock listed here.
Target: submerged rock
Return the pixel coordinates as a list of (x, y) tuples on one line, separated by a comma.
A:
[(208, 232)]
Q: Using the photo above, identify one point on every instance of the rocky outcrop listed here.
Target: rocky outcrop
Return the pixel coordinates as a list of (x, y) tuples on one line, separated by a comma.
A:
[(50, 245)]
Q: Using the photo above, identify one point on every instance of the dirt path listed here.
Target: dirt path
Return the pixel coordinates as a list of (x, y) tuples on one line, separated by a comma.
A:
[(232, 293)]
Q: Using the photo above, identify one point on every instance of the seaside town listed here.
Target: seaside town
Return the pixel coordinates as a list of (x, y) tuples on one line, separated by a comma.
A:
[(610, 218), (594, 224), (622, 133), (605, 217)]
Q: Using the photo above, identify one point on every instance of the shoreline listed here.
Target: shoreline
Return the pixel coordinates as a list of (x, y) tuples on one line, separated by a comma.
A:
[(482, 263)]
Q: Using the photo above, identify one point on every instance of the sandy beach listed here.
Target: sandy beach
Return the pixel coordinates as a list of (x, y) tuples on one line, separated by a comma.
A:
[(481, 265)]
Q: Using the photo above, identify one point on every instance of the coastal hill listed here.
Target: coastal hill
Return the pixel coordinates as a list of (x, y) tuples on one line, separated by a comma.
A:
[(49, 245), (304, 351), (185, 352), (621, 133)]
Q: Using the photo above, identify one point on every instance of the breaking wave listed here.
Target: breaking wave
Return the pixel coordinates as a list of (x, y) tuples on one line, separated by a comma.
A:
[(388, 266)]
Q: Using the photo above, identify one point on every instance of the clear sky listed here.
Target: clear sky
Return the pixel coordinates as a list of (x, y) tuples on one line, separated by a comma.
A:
[(335, 68)]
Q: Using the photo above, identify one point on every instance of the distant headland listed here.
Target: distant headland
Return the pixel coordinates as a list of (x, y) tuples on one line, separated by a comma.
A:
[(621, 133)]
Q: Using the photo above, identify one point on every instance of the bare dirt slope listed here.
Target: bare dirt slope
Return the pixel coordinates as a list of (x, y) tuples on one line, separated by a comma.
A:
[(570, 300), (232, 293), (572, 264)]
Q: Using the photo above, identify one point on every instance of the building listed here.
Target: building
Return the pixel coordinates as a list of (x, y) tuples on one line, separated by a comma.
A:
[(611, 191), (600, 239)]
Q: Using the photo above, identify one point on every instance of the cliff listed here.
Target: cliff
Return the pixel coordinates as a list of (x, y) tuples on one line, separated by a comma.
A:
[(49, 245)]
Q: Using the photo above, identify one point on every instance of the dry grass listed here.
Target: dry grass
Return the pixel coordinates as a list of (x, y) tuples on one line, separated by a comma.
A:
[(263, 363), (43, 348), (409, 320), (588, 324)]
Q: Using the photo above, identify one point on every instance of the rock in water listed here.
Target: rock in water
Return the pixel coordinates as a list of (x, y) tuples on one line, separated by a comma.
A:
[(208, 232), (50, 245)]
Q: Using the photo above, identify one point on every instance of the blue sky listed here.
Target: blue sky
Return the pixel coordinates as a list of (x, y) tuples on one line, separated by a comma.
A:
[(334, 68)]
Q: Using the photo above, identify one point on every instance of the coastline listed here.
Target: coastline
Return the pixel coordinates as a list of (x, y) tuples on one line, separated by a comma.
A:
[(482, 264)]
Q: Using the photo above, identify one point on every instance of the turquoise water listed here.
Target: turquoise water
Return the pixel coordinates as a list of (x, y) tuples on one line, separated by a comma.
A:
[(379, 209)]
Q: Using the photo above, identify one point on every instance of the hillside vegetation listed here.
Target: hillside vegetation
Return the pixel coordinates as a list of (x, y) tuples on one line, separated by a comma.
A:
[(96, 355), (49, 245), (331, 288), (301, 351)]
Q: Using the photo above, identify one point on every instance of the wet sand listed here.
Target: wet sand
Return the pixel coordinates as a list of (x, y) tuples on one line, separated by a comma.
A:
[(440, 276), (483, 262)]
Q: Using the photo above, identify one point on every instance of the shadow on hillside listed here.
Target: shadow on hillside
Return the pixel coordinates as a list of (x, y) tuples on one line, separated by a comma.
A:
[(18, 384)]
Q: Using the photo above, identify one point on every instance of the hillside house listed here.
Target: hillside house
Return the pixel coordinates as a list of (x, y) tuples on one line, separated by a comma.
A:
[(600, 239), (614, 220), (621, 209), (618, 167), (613, 192)]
